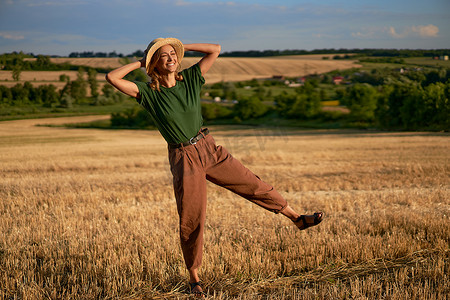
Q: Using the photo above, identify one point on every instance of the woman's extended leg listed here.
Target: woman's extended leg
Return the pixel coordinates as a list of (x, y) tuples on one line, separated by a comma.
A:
[(228, 172)]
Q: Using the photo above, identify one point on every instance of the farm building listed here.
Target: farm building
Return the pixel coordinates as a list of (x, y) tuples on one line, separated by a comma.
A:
[(338, 79)]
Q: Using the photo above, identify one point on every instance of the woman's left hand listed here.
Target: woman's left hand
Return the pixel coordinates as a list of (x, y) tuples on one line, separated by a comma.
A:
[(143, 59)]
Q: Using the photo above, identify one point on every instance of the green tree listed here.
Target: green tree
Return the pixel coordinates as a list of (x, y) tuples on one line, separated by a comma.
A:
[(49, 95), (66, 101), (435, 76), (34, 94), (6, 96), (409, 106), (16, 71), (375, 77), (414, 108), (260, 92), (284, 103), (43, 62), (78, 87), (20, 95), (211, 111), (437, 106), (108, 90), (92, 79), (64, 78), (248, 108), (110, 93), (382, 110), (306, 104), (135, 117), (361, 99)]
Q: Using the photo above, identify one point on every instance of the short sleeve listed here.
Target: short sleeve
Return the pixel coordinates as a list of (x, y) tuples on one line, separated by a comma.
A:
[(194, 75), (143, 90)]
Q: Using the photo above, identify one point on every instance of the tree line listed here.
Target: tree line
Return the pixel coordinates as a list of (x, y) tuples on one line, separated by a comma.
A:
[(73, 92), (264, 53), (17, 62), (383, 99)]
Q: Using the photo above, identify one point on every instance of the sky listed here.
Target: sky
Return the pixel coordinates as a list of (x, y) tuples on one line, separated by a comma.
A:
[(60, 27)]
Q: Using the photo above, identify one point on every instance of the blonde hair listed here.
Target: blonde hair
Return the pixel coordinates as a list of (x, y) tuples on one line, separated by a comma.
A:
[(154, 74)]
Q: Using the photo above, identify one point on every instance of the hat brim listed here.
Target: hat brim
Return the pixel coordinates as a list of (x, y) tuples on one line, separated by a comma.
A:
[(158, 43)]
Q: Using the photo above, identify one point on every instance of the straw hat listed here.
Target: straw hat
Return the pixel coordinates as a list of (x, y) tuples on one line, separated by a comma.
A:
[(158, 43)]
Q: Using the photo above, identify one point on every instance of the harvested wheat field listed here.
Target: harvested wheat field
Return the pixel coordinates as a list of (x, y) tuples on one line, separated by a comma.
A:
[(240, 68), (91, 214)]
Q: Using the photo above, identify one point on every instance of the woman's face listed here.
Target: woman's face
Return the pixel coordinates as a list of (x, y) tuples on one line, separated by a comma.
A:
[(168, 61)]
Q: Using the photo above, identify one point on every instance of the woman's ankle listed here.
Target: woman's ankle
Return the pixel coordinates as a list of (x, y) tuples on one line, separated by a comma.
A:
[(289, 213), (193, 276)]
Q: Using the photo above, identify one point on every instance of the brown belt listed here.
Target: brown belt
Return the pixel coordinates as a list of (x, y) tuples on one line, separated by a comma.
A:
[(191, 141)]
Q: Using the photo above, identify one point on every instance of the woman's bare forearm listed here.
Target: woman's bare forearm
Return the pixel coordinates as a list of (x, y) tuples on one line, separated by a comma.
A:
[(115, 78), (120, 72), (211, 52), (203, 48)]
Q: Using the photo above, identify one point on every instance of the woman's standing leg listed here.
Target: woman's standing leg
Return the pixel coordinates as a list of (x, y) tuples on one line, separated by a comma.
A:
[(189, 183)]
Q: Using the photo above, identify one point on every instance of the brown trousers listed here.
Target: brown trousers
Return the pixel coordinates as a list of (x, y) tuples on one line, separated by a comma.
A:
[(191, 166)]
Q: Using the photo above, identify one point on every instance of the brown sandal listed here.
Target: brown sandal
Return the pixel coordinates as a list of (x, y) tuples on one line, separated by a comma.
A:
[(197, 294), (302, 224)]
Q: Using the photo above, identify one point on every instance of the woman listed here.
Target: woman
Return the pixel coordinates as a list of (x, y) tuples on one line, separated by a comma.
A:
[(173, 100)]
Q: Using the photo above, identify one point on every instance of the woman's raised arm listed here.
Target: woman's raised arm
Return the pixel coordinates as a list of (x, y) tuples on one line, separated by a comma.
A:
[(115, 78), (212, 51)]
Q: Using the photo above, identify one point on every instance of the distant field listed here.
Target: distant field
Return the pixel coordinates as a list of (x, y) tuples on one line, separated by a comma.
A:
[(225, 69), (428, 61), (409, 62), (90, 214), (239, 69), (95, 62)]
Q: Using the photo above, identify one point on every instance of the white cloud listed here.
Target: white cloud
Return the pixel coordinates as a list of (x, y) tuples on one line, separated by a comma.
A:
[(11, 36), (419, 31), (426, 31), (415, 31), (394, 34)]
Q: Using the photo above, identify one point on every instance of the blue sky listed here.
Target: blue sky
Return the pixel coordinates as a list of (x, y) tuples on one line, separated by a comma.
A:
[(59, 27)]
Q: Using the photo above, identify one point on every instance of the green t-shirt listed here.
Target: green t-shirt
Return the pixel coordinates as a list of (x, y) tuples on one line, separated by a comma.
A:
[(177, 110)]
